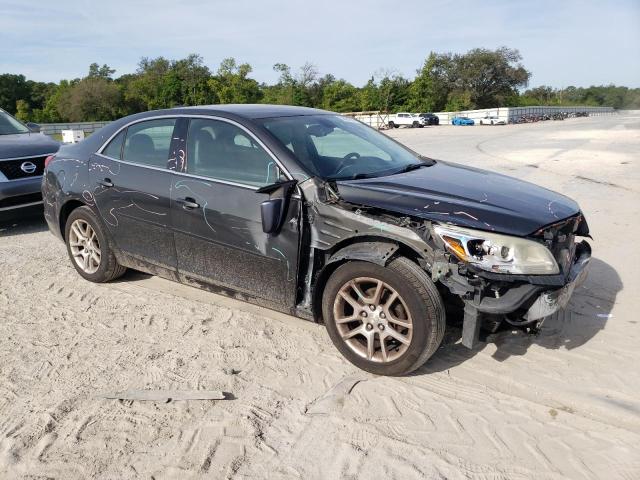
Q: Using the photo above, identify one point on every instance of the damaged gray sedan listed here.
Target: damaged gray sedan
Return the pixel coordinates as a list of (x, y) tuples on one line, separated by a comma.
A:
[(316, 215)]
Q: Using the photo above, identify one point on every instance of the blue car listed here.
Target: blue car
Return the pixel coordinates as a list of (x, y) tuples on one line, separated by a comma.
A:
[(462, 121)]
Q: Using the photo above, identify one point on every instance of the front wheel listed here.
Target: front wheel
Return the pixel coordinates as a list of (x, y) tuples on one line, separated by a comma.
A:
[(89, 248), (385, 320)]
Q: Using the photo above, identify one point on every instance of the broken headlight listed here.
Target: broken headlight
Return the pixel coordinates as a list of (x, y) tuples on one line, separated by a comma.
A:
[(498, 253)]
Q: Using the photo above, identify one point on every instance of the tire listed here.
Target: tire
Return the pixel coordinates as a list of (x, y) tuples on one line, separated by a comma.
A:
[(391, 125), (107, 267), (418, 304), (491, 122)]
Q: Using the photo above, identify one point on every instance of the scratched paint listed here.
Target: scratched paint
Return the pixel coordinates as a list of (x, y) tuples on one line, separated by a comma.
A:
[(183, 184), (401, 209)]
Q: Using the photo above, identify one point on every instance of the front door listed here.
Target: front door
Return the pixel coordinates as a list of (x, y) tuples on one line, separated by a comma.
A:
[(215, 210), (131, 189)]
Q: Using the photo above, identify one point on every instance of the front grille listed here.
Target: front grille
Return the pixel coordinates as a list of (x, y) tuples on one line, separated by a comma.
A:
[(12, 168), (20, 200)]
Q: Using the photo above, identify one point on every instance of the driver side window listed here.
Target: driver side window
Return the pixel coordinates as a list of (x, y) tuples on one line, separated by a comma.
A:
[(340, 143), (223, 151)]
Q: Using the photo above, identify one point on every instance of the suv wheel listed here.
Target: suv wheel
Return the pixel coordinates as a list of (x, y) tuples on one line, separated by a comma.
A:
[(385, 320), (391, 125), (89, 248)]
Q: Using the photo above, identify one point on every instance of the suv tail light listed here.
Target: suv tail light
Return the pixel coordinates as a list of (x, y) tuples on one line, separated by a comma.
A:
[(48, 160)]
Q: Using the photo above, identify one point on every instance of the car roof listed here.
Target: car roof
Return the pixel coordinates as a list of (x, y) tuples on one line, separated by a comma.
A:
[(253, 111)]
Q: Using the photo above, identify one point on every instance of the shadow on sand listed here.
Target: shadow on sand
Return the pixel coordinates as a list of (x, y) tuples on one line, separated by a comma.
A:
[(22, 221), (585, 315)]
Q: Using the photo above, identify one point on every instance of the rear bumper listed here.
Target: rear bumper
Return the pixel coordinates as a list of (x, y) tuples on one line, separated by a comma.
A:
[(20, 193)]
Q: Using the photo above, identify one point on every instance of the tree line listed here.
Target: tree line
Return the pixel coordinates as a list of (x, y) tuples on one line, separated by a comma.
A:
[(479, 78)]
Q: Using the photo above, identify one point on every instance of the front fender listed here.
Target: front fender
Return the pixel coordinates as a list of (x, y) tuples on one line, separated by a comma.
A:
[(374, 252)]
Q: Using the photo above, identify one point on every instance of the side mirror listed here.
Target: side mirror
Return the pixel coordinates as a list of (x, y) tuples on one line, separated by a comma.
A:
[(34, 127), (272, 211)]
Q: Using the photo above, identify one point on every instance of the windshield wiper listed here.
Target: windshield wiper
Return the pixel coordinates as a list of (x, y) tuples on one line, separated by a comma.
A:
[(412, 166)]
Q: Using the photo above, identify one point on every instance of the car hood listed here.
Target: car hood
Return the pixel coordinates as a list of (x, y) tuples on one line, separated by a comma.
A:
[(26, 145), (460, 195)]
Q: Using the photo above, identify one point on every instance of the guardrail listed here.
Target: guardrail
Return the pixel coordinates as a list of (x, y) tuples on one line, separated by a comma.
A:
[(86, 127)]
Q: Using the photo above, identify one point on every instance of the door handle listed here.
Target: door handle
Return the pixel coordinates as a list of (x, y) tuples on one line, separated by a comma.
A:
[(188, 203), (106, 183)]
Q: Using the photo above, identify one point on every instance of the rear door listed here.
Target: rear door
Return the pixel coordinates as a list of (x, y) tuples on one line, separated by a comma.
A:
[(131, 189), (216, 214)]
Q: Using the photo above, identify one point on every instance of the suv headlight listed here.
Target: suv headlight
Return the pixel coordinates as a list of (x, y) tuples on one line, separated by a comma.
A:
[(498, 253)]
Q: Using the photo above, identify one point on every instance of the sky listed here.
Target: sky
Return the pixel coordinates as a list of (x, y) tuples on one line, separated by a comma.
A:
[(563, 42)]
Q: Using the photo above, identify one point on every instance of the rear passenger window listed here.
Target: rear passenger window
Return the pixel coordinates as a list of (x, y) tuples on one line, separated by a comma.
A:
[(223, 151), (148, 142), (114, 149)]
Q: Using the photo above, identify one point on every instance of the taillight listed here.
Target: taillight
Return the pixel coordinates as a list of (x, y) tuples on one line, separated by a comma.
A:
[(48, 160)]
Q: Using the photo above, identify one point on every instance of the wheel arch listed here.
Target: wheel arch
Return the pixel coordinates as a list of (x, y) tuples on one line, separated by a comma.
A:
[(377, 250), (66, 209)]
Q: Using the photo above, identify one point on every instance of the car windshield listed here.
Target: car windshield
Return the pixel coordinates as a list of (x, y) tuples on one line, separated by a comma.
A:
[(334, 147), (10, 126)]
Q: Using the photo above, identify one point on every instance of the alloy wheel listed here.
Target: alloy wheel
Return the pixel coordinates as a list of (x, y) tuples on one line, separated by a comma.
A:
[(85, 247), (373, 319)]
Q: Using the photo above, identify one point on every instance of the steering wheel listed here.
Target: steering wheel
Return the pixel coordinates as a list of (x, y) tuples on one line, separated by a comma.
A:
[(347, 161)]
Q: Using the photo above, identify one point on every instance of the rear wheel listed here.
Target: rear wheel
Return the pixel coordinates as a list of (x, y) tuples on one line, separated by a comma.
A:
[(89, 248), (385, 320), (391, 125)]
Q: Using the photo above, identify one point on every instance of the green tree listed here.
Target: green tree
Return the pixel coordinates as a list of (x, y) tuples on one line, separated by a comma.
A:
[(293, 89), (23, 110), (91, 99), (188, 82), (340, 96), (148, 89), (393, 91), (232, 85), (12, 88), (429, 91), (490, 76), (104, 71)]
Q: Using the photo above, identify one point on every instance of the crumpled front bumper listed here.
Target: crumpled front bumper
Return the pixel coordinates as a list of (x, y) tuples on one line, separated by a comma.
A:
[(538, 296), (551, 301)]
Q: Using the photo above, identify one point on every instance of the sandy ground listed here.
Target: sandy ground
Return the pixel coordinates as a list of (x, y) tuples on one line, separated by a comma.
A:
[(565, 404)]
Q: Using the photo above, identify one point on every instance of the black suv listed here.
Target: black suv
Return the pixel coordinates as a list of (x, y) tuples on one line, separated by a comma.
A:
[(430, 119), (320, 216), (22, 156)]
